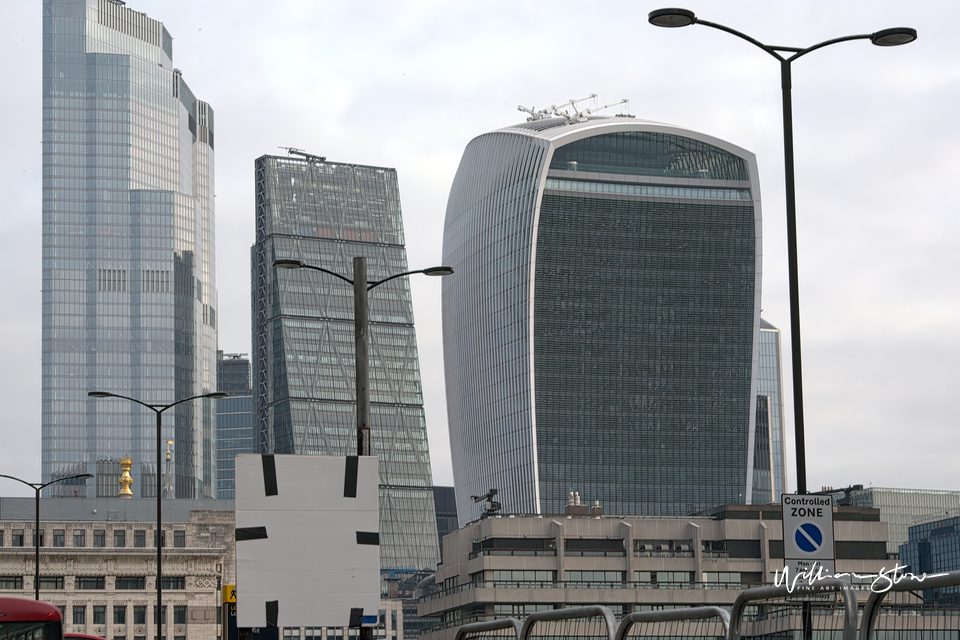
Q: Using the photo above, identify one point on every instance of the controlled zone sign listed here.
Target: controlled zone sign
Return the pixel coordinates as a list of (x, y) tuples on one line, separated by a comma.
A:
[(807, 527), (807, 537)]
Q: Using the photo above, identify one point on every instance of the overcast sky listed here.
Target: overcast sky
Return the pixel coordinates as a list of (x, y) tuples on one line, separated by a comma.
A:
[(409, 84)]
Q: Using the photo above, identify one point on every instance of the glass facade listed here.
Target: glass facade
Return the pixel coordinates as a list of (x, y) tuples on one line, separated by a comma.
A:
[(901, 508), (601, 326), (932, 548), (235, 435), (235, 424), (325, 214), (129, 290), (770, 381)]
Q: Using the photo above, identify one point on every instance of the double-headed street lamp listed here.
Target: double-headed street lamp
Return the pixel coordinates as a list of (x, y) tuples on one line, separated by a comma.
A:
[(786, 56), (158, 409), (36, 486), (361, 326)]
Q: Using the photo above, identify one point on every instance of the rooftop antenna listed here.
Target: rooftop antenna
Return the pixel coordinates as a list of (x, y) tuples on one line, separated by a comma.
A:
[(300, 152), (569, 111), (587, 112)]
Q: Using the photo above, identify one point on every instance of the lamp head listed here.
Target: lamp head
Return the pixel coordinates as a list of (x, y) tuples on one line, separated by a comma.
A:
[(288, 264), (99, 394), (438, 271), (671, 18), (894, 37), (217, 394)]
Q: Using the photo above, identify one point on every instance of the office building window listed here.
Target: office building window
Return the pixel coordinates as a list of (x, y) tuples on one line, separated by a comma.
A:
[(79, 614), (163, 538), (131, 582), (79, 538), (119, 538), (16, 540), (179, 614), (99, 614), (139, 614), (174, 582), (51, 582), (180, 538), (139, 538), (11, 582), (163, 614), (33, 540), (59, 538), (119, 614), (99, 539), (90, 582)]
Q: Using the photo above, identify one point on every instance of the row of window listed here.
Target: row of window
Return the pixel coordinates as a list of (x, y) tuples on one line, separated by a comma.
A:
[(79, 612), (122, 583), (17, 538)]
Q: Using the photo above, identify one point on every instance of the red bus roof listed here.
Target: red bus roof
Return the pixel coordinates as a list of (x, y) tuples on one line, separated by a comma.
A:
[(21, 609), (85, 636)]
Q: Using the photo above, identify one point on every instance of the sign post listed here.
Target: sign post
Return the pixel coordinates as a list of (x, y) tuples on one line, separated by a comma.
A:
[(808, 550)]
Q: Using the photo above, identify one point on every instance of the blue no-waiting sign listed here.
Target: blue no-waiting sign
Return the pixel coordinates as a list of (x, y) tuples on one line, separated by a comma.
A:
[(808, 537)]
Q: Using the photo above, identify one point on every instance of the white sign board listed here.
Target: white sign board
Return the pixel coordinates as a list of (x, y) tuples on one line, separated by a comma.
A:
[(808, 539), (308, 550)]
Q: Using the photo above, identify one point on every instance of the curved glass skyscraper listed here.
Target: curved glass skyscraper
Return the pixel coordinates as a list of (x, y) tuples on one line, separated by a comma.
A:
[(601, 328), (129, 289)]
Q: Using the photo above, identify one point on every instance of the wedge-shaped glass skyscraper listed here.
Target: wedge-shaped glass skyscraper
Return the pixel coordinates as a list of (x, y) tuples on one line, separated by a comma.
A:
[(325, 214), (601, 327), (129, 293)]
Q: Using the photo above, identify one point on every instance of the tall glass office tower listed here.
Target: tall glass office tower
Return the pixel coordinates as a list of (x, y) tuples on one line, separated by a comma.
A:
[(771, 386), (601, 327), (129, 292), (325, 214), (235, 425)]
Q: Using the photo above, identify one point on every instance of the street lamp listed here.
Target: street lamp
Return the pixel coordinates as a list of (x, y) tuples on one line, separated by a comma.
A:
[(361, 326), (884, 38), (36, 528), (158, 409)]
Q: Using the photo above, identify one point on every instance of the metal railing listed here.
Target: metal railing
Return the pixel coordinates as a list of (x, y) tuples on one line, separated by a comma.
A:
[(696, 622), (791, 614), (927, 618), (581, 622), (502, 628), (828, 610)]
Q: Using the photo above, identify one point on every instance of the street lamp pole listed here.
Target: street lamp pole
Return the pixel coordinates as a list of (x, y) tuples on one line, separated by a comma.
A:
[(361, 321), (786, 56), (37, 487), (158, 409)]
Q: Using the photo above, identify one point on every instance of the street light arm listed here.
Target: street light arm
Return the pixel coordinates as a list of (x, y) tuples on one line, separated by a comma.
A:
[(826, 43), (297, 264), (29, 484), (79, 476), (769, 49), (107, 394), (440, 271), (156, 408), (213, 394)]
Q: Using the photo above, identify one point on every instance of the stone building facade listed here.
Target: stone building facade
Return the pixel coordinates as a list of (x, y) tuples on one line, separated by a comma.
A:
[(101, 569)]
